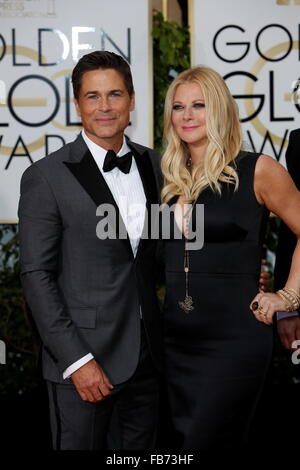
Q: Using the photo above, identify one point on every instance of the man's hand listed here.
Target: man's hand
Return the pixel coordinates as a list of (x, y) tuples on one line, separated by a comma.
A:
[(289, 331), (91, 382), (264, 277)]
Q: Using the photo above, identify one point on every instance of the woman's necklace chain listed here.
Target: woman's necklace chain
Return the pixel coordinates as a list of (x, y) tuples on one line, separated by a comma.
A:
[(187, 304)]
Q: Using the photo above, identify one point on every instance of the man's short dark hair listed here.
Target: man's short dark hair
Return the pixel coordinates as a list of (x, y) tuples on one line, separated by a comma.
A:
[(101, 60)]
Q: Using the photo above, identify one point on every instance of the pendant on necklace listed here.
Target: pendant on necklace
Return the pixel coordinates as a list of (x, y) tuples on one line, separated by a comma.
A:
[(186, 304)]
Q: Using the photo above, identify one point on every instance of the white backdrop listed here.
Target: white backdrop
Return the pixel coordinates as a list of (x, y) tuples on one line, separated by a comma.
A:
[(256, 43), (40, 42)]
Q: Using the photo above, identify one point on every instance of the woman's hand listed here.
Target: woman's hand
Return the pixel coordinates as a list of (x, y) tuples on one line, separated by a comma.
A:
[(265, 304)]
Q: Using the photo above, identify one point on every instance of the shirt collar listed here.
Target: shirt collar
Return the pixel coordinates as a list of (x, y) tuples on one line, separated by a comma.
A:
[(99, 152)]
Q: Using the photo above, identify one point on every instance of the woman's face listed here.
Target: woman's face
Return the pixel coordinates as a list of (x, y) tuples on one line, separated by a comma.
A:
[(188, 114)]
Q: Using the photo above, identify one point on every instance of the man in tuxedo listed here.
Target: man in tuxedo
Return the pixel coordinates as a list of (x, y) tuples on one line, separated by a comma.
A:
[(93, 297), (288, 325)]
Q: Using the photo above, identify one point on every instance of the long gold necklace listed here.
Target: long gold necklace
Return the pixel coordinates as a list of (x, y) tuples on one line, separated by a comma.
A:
[(187, 304)]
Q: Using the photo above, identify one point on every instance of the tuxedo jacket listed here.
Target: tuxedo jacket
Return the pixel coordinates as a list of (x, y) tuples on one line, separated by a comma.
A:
[(287, 239), (85, 293)]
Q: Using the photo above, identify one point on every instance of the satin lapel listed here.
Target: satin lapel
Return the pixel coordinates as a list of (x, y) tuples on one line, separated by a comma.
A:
[(91, 179), (146, 172)]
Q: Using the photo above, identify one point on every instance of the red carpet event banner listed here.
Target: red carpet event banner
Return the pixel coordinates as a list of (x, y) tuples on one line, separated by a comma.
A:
[(254, 44), (40, 43)]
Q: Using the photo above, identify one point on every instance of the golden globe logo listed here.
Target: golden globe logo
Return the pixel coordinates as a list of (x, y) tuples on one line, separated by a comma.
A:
[(261, 80), (38, 105)]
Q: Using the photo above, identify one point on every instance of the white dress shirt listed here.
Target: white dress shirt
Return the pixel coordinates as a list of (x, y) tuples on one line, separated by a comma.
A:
[(128, 192)]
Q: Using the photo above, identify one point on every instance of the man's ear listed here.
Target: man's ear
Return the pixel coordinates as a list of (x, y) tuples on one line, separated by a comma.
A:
[(77, 107), (132, 101)]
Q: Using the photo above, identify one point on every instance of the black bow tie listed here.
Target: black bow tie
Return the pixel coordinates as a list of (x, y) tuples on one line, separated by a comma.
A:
[(111, 161)]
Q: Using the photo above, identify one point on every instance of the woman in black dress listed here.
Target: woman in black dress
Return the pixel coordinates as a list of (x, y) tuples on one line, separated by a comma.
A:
[(218, 338)]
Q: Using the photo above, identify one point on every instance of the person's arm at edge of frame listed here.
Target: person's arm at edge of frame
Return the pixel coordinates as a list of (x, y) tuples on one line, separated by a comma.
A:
[(275, 188)]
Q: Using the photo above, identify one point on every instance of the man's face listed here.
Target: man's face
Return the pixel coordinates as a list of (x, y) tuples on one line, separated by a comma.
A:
[(104, 106)]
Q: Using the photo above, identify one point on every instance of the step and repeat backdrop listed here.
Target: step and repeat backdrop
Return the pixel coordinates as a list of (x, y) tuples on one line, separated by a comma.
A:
[(40, 43), (254, 45)]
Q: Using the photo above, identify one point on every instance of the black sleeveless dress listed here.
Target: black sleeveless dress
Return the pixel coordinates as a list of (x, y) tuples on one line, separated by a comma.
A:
[(217, 355)]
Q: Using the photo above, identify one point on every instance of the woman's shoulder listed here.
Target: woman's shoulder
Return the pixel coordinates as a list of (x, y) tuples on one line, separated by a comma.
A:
[(268, 165), (259, 162)]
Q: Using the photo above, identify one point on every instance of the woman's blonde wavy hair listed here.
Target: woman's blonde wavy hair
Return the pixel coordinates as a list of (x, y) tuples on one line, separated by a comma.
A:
[(223, 132)]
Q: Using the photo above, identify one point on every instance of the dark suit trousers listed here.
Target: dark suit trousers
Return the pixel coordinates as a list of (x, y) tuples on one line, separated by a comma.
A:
[(125, 420)]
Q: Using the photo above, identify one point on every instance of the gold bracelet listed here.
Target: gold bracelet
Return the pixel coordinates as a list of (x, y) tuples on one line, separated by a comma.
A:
[(292, 303), (293, 296), (288, 305), (292, 292)]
